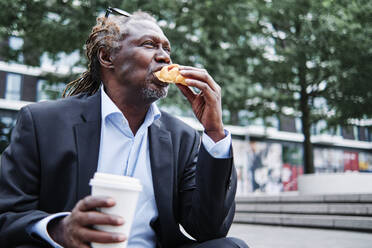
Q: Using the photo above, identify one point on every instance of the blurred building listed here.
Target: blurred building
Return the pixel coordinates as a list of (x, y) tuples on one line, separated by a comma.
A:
[(269, 160), (21, 85)]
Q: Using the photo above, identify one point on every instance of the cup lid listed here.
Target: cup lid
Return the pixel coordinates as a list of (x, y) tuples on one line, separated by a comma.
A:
[(116, 178), (116, 181)]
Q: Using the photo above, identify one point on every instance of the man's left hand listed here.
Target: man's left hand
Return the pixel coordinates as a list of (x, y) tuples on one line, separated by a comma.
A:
[(207, 103)]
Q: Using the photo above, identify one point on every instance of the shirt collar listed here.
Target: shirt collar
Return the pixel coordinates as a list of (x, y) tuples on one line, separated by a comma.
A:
[(108, 108)]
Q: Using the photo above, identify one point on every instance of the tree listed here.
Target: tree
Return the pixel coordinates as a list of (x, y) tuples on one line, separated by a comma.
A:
[(351, 97), (45, 27), (305, 69), (211, 34)]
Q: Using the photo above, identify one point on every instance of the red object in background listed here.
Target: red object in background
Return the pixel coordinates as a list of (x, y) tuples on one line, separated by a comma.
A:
[(286, 177), (290, 180), (351, 161)]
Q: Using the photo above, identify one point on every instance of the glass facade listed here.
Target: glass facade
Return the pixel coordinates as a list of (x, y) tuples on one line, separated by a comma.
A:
[(13, 86), (268, 166)]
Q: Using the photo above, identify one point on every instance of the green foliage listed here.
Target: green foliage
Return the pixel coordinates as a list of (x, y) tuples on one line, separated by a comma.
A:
[(314, 50), (352, 94), (45, 26), (270, 57), (209, 34)]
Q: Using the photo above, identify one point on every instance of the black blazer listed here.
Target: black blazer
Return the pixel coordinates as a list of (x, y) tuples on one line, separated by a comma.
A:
[(54, 152)]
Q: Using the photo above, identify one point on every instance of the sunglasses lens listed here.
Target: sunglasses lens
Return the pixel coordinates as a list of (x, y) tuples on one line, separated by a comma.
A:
[(122, 12), (116, 11)]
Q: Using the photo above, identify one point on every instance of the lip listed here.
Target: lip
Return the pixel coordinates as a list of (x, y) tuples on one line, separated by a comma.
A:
[(160, 83), (157, 81)]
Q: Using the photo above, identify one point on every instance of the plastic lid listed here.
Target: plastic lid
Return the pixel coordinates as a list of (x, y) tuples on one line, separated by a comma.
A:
[(115, 181)]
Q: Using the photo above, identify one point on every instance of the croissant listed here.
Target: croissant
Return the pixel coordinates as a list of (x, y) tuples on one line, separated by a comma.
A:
[(170, 74)]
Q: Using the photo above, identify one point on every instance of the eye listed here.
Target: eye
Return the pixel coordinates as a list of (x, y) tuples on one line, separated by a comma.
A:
[(167, 48), (149, 44)]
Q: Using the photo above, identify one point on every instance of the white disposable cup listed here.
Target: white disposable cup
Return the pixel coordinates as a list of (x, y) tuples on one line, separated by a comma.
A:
[(125, 191)]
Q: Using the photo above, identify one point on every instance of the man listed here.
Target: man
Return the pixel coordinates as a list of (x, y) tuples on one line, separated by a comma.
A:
[(111, 124)]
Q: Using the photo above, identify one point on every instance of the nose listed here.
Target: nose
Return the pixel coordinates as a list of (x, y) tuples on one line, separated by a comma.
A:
[(162, 56)]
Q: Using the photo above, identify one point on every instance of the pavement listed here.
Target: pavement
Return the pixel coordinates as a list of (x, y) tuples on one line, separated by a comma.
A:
[(265, 236)]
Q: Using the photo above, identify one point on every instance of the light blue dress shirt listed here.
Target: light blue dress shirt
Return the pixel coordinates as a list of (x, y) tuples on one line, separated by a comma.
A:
[(123, 153)]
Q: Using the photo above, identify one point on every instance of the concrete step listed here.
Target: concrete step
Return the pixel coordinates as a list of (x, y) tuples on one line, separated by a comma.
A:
[(322, 221), (307, 208), (347, 211)]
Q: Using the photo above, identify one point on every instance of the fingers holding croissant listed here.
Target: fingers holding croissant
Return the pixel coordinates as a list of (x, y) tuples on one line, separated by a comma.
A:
[(171, 74)]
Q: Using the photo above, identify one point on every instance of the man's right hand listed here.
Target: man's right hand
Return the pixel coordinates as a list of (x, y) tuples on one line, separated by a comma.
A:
[(76, 229)]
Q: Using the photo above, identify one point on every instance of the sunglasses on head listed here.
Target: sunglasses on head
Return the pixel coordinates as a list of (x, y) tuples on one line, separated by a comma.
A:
[(116, 11)]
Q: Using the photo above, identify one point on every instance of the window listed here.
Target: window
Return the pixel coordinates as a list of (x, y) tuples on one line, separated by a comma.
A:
[(13, 86), (363, 133), (298, 123)]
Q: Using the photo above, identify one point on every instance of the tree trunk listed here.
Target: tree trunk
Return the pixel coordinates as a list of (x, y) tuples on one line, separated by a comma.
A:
[(234, 117), (307, 146), (305, 119), (305, 108)]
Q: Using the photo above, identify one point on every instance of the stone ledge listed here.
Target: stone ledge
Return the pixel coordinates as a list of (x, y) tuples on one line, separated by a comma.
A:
[(336, 198), (336, 183)]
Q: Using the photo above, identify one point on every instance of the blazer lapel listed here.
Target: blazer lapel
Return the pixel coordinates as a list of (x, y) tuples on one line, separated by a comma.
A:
[(162, 167), (88, 134)]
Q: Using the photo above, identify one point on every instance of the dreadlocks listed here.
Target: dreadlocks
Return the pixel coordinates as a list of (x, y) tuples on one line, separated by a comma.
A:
[(107, 33)]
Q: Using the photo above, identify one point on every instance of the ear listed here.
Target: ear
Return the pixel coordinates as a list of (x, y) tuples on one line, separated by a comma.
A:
[(105, 58)]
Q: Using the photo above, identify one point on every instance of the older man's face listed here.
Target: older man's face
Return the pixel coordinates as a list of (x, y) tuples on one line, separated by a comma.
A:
[(144, 51)]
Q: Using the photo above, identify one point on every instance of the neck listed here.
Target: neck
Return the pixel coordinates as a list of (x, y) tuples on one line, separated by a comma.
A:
[(132, 108), (134, 115)]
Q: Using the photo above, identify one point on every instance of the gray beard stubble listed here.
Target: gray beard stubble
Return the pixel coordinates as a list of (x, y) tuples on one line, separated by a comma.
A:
[(152, 95)]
